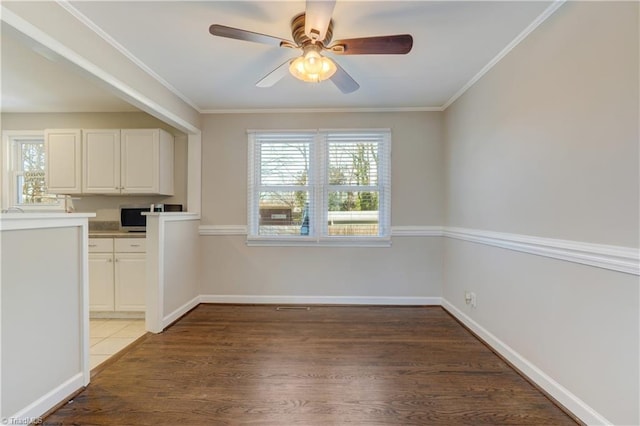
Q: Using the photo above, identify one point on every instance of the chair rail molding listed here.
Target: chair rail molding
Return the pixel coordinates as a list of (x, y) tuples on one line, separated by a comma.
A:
[(396, 231), (615, 258)]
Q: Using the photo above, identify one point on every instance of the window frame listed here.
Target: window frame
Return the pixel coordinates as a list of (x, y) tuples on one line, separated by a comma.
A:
[(11, 171), (319, 188)]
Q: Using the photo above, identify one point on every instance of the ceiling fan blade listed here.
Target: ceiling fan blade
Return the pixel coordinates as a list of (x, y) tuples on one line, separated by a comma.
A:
[(238, 34), (393, 44), (275, 76), (343, 80), (317, 17)]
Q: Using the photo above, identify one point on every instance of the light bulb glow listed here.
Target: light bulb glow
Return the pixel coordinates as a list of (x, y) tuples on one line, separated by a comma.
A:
[(311, 66)]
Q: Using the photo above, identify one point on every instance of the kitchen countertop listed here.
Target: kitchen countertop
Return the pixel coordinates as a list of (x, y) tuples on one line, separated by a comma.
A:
[(116, 234)]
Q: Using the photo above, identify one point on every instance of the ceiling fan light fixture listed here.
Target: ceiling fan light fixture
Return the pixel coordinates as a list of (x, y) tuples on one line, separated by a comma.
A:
[(312, 66)]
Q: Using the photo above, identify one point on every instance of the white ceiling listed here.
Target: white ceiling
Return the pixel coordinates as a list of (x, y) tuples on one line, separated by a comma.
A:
[(34, 81), (453, 42)]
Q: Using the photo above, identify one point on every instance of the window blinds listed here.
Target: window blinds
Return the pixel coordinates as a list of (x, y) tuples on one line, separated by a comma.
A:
[(316, 185)]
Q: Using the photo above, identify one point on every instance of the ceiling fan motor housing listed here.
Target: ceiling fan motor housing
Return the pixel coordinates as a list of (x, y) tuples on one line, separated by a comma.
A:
[(302, 39)]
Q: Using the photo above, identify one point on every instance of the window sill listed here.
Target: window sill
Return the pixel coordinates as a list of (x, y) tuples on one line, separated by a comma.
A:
[(324, 242)]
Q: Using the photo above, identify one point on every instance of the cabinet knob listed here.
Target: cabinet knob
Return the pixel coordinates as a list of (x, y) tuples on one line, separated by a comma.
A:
[(109, 260), (116, 260), (93, 245), (135, 245)]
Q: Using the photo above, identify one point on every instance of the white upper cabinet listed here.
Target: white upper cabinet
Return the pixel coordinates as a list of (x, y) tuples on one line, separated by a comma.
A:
[(63, 165), (146, 161), (101, 159), (110, 161)]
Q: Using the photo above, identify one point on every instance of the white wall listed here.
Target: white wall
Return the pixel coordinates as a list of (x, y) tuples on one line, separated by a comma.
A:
[(547, 142), (411, 268), (181, 263), (44, 347), (546, 145), (173, 267)]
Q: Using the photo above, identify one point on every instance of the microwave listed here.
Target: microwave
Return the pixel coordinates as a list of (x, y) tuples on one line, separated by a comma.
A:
[(132, 220)]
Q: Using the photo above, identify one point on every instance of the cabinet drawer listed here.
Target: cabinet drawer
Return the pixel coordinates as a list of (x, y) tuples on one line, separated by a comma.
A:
[(100, 245), (130, 245)]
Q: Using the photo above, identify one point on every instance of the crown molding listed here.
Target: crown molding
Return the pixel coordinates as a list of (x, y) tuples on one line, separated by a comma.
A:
[(105, 36), (516, 41), (92, 70), (318, 110), (124, 51)]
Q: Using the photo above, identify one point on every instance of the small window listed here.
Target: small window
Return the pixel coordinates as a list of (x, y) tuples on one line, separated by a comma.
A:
[(319, 187), (25, 172)]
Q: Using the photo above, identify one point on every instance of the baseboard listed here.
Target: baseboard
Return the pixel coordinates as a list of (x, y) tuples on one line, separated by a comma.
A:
[(34, 411), (320, 300), (116, 315), (564, 397), (173, 316)]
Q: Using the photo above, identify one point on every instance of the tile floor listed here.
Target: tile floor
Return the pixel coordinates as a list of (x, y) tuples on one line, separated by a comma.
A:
[(109, 336)]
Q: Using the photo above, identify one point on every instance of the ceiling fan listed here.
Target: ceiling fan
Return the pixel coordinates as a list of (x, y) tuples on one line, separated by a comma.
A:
[(312, 32)]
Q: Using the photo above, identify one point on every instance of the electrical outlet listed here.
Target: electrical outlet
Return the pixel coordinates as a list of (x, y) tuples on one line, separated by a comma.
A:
[(470, 298)]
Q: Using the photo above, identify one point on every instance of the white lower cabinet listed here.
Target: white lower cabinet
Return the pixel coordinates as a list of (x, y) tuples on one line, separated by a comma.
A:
[(101, 295), (117, 274), (130, 281)]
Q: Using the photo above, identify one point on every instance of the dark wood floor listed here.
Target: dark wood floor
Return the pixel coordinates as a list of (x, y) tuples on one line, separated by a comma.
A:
[(228, 364)]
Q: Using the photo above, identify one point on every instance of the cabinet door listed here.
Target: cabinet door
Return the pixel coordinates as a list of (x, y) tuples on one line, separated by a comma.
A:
[(130, 281), (140, 154), (101, 160), (63, 165), (101, 291)]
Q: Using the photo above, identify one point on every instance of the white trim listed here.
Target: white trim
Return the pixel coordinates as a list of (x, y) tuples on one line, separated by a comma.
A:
[(16, 221), (93, 71), (85, 323), (571, 402), (504, 52), (49, 400), (396, 231), (320, 300), (134, 59), (194, 173), (174, 216), (154, 303), (320, 110), (10, 139), (223, 230), (615, 258), (322, 242), (173, 316), (417, 231)]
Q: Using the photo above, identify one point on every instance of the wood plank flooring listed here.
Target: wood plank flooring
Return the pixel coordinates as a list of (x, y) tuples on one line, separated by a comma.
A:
[(233, 365)]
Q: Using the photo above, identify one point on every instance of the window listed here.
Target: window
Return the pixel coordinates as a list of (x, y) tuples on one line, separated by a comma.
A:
[(319, 187), (24, 172)]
